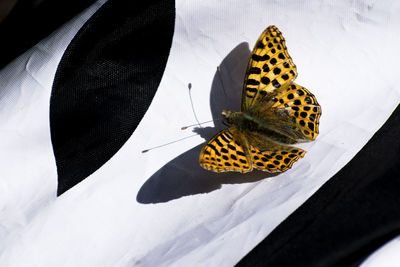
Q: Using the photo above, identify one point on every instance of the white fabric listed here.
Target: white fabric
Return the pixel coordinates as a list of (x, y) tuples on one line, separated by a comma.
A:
[(345, 55), (386, 256)]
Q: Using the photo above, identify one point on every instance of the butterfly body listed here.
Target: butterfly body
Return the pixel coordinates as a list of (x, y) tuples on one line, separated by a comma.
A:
[(246, 122), (275, 113)]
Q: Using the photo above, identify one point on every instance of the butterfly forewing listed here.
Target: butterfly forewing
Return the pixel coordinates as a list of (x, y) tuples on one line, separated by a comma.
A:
[(270, 67), (226, 151)]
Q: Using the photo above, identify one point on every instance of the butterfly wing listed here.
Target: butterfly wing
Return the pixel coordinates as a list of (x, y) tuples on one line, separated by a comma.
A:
[(277, 158), (293, 112), (226, 151), (270, 67), (270, 95), (269, 155), (298, 105)]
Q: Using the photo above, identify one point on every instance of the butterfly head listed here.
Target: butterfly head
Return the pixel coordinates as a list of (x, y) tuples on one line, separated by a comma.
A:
[(227, 114)]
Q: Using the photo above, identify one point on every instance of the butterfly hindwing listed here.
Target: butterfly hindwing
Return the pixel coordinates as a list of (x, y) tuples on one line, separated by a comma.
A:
[(270, 67), (297, 105), (275, 159), (226, 151), (268, 154)]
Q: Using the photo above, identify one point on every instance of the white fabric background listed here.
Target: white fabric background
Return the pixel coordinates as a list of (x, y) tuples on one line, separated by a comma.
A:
[(160, 208), (386, 256)]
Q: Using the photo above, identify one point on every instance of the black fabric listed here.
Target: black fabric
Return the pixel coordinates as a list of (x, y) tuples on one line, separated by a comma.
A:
[(105, 83), (30, 21), (349, 217)]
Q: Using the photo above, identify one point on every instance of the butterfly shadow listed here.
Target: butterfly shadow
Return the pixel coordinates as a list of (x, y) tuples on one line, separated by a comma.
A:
[(183, 176)]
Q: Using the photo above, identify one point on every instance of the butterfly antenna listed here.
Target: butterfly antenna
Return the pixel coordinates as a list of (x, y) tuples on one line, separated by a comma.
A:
[(191, 103), (194, 113), (147, 150), (185, 127)]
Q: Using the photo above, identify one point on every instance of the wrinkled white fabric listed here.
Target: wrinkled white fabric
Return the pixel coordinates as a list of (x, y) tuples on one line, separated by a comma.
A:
[(386, 256), (345, 55)]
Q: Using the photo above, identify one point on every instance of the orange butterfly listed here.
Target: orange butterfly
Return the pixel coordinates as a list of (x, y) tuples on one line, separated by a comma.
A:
[(275, 113)]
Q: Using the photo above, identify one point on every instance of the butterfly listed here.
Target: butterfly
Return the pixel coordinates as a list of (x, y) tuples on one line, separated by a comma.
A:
[(275, 114)]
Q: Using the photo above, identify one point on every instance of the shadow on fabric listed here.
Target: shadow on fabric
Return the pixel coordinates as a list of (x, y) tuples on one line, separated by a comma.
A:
[(183, 176)]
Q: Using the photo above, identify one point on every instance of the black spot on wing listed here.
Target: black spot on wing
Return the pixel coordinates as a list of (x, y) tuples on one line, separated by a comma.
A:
[(300, 92), (215, 150), (240, 153), (252, 82), (251, 89), (275, 83), (277, 71), (260, 44), (218, 142), (260, 58), (265, 80), (224, 150), (265, 68), (223, 137), (254, 70)]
